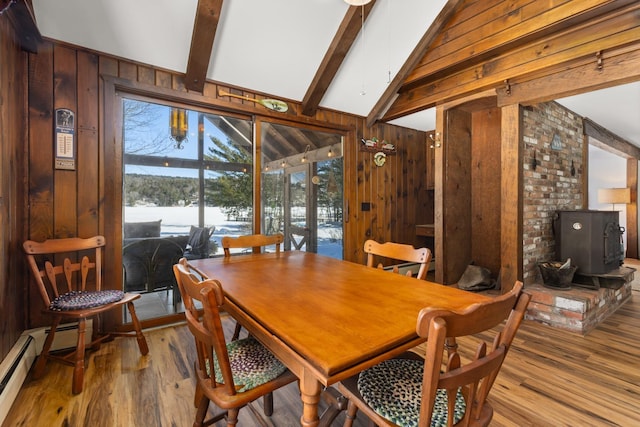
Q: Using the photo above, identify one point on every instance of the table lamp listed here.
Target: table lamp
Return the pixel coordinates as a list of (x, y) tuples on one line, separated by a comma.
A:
[(614, 196)]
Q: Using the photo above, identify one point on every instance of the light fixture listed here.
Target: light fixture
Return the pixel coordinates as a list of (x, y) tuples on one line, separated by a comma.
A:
[(330, 152), (614, 196), (179, 124), (357, 2), (304, 156), (437, 140)]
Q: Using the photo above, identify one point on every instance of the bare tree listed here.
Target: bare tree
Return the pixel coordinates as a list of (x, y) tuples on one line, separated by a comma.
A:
[(145, 131)]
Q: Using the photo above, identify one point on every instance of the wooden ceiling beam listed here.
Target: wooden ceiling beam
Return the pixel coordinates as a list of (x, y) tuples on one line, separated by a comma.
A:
[(333, 58), (391, 92), (573, 47), (619, 66), (609, 141), (204, 32), (21, 15)]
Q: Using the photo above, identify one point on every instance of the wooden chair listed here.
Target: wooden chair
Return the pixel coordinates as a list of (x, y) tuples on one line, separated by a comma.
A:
[(222, 377), (63, 286), (443, 393), (254, 241), (398, 251)]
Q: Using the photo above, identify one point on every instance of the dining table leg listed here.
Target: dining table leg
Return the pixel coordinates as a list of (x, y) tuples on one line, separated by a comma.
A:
[(310, 390)]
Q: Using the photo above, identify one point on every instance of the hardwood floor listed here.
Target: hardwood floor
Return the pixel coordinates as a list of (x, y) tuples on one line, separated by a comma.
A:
[(550, 378)]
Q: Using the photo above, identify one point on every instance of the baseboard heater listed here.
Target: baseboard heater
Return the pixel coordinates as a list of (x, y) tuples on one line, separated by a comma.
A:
[(15, 366), (14, 370)]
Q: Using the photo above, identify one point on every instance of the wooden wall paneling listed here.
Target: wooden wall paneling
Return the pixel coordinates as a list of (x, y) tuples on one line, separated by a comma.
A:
[(353, 191), (405, 177), (511, 198), (40, 130), (40, 166), (365, 219), (516, 23), (177, 83), (388, 188), (111, 178), (127, 70), (439, 159), (64, 96), (457, 195), (485, 189), (146, 75), (13, 133), (632, 208), (414, 187), (107, 66), (379, 192), (88, 157), (163, 79), (466, 30)]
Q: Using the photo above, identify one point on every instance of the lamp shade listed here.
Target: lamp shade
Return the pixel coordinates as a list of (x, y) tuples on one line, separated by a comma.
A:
[(357, 2), (614, 195)]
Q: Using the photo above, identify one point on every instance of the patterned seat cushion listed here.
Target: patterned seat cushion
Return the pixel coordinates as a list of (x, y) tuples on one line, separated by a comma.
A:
[(393, 389), (251, 363), (79, 300)]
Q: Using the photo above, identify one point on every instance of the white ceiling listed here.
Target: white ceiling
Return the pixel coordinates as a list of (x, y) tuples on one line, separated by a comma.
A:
[(276, 46)]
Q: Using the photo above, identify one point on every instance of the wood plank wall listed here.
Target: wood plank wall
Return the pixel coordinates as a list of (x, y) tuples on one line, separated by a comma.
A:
[(12, 187), (82, 202), (489, 42)]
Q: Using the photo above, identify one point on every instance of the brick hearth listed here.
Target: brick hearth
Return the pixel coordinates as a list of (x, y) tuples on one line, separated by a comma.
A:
[(577, 309)]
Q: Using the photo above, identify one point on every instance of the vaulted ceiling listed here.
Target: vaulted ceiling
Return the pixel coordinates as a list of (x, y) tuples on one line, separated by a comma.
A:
[(322, 53)]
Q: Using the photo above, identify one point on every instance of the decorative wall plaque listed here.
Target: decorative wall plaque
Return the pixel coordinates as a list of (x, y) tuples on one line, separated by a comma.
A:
[(556, 142)]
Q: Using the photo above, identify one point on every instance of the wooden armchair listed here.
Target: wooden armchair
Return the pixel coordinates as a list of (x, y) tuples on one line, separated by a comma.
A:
[(70, 293), (455, 397), (228, 374), (401, 252), (254, 241)]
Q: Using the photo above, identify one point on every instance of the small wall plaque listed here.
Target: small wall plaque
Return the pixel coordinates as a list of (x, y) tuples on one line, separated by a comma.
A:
[(556, 142), (64, 139)]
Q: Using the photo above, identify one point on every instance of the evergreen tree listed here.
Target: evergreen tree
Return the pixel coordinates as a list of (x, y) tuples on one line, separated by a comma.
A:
[(232, 189)]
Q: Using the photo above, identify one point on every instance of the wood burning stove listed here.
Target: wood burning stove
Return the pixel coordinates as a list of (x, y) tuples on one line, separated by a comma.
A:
[(592, 239)]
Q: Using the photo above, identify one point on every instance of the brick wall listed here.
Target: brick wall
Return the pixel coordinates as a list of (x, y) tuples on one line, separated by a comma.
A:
[(551, 185)]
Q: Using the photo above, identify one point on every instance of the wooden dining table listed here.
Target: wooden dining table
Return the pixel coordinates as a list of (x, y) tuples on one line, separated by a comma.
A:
[(324, 318)]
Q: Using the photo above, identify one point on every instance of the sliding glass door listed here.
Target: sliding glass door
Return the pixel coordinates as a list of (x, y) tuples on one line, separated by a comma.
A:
[(302, 187)]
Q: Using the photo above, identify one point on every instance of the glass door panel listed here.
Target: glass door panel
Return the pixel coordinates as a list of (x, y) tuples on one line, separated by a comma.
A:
[(302, 187), (297, 234)]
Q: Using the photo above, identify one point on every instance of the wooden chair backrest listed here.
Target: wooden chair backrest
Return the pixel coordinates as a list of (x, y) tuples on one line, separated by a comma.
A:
[(476, 377), (398, 251), (208, 331), (254, 241), (55, 259)]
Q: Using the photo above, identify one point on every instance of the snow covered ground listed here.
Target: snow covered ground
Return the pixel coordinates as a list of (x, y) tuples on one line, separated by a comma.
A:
[(177, 220)]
